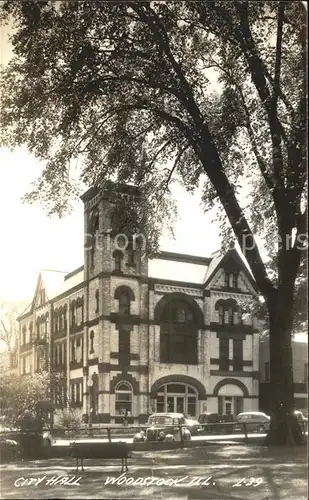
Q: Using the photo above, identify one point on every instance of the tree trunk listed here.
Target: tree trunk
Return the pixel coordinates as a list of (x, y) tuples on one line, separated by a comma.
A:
[(284, 428)]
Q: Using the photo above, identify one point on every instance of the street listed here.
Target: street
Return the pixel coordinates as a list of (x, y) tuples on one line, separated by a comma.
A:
[(216, 472), (212, 437)]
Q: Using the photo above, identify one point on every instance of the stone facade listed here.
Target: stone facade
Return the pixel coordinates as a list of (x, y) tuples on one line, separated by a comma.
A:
[(125, 334)]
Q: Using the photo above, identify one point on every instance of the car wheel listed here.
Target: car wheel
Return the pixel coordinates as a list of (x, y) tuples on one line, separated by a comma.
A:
[(261, 428)]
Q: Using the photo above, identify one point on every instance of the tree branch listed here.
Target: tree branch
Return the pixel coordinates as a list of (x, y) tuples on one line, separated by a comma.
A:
[(276, 89), (256, 69), (177, 159)]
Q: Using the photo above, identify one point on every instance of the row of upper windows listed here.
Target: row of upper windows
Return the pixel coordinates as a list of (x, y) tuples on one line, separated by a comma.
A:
[(179, 311), (76, 350), (29, 335)]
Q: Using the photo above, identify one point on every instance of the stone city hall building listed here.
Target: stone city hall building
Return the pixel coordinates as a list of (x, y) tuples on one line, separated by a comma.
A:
[(124, 332)]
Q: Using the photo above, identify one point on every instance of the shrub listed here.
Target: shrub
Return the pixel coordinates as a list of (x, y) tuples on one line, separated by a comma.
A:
[(69, 419)]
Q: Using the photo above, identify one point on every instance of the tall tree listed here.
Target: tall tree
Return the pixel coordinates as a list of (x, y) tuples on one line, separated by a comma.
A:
[(126, 87), (8, 325)]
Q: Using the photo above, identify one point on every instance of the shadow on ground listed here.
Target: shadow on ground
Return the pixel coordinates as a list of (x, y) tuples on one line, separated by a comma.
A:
[(215, 473)]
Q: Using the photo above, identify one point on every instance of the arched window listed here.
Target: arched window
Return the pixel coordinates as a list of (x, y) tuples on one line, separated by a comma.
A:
[(131, 255), (118, 257), (177, 312), (178, 333), (124, 396), (124, 295), (230, 400), (124, 304), (229, 317), (229, 313)]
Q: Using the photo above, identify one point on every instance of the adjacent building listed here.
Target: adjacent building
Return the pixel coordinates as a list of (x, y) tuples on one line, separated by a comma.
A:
[(124, 333), (300, 375)]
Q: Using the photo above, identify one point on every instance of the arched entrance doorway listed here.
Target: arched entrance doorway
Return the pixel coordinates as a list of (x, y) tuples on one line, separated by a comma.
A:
[(230, 393), (179, 398)]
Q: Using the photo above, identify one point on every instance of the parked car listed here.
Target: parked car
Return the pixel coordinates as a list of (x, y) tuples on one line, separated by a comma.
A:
[(215, 420), (165, 427), (254, 420), (301, 419), (193, 426)]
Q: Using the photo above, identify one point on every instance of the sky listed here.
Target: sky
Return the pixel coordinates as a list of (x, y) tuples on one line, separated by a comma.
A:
[(31, 241)]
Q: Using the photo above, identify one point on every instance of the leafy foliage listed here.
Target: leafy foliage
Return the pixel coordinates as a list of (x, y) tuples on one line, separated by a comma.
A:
[(19, 396), (69, 419)]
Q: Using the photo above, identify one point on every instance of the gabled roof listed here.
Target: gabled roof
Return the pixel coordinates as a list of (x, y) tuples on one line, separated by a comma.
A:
[(220, 260), (215, 260), (50, 281), (55, 283)]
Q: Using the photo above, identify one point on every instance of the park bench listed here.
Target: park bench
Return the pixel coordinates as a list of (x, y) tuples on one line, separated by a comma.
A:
[(118, 450)]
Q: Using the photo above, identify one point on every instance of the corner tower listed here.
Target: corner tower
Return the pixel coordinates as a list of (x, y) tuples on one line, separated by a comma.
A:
[(115, 308)]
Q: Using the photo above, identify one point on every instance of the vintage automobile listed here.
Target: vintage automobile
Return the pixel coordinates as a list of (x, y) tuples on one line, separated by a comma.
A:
[(301, 419), (166, 427), (211, 423), (255, 421)]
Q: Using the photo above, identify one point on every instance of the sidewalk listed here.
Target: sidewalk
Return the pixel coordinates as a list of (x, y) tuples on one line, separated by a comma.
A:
[(215, 473)]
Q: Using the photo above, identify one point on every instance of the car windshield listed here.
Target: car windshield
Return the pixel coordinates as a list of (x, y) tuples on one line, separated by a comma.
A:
[(161, 419)]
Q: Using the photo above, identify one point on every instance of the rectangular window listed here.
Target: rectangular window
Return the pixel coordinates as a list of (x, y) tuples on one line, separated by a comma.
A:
[(267, 371), (237, 355), (124, 348), (79, 315), (76, 393), (228, 405), (97, 301), (178, 351), (73, 351), (221, 315), (131, 255), (178, 348), (224, 354), (191, 406), (123, 403), (238, 404), (56, 355), (61, 360), (305, 372), (235, 280)]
